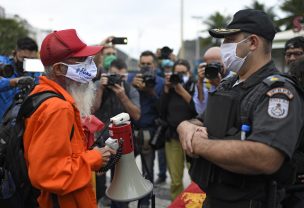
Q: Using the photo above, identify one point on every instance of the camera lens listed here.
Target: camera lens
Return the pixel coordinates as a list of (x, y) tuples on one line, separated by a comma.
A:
[(212, 70), (176, 78)]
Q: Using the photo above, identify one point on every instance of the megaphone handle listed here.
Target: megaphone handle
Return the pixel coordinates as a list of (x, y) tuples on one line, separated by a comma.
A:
[(152, 196)]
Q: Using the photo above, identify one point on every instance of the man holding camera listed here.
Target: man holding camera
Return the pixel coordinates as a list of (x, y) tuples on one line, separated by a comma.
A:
[(210, 74), (12, 72), (176, 105), (113, 96), (245, 141), (150, 86)]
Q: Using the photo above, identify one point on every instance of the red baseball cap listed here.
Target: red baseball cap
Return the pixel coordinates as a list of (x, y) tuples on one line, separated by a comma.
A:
[(60, 45)]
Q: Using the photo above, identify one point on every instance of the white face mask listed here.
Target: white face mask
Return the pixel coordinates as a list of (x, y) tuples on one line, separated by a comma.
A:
[(230, 59), (82, 72)]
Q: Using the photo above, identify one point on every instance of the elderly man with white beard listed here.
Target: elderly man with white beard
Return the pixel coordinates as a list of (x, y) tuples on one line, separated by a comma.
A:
[(59, 164)]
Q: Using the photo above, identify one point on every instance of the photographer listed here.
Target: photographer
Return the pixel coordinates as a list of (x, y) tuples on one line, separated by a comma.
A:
[(113, 96), (12, 72), (210, 75), (176, 105), (150, 87)]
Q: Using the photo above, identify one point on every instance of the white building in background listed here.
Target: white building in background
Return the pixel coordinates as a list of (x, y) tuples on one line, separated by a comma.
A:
[(278, 47), (2, 12)]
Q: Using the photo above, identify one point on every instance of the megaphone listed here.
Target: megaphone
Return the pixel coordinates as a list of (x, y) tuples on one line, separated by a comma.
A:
[(128, 184)]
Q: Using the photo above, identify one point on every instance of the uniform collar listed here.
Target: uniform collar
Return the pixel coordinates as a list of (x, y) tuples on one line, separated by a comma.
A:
[(265, 71)]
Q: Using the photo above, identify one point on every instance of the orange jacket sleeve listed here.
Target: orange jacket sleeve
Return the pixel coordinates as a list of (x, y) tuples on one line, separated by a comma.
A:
[(55, 163)]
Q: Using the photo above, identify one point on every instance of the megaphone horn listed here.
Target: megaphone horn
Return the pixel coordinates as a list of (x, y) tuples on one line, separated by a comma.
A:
[(128, 184)]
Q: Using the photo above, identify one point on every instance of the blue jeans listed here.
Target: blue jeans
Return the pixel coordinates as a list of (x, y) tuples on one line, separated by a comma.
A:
[(162, 164)]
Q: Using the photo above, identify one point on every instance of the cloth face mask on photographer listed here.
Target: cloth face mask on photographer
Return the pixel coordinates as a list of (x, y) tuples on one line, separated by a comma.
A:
[(82, 72), (107, 61), (230, 59)]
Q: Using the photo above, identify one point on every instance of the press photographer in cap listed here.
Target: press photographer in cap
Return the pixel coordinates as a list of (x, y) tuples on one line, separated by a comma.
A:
[(59, 164), (245, 141), (114, 95), (12, 71)]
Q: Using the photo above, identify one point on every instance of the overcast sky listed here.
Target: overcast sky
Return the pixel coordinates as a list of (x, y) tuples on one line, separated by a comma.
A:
[(148, 24)]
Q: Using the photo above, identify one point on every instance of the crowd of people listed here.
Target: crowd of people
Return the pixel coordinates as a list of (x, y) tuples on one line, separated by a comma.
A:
[(237, 125)]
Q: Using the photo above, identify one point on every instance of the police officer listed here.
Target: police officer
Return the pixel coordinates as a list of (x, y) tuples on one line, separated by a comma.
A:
[(249, 132)]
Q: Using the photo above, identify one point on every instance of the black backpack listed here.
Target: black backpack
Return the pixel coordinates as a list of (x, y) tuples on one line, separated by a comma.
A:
[(16, 190)]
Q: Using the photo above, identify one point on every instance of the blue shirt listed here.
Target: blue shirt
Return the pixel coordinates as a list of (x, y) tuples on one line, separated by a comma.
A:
[(200, 106), (7, 93), (148, 103)]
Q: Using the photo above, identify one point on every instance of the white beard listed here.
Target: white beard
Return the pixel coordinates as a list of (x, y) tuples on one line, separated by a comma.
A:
[(84, 96)]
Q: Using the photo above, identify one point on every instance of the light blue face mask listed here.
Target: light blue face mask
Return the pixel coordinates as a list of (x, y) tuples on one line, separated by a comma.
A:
[(82, 72)]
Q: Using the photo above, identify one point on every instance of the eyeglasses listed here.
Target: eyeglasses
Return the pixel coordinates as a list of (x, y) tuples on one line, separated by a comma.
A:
[(296, 53)]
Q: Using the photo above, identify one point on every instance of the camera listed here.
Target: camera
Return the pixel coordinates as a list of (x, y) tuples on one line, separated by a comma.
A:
[(149, 79), (212, 70), (176, 78), (114, 79), (6, 70)]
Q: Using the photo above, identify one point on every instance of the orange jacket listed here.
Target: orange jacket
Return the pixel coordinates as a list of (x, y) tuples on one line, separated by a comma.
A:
[(57, 164)]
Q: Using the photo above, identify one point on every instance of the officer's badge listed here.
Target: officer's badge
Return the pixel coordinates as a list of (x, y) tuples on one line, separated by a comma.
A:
[(278, 108)]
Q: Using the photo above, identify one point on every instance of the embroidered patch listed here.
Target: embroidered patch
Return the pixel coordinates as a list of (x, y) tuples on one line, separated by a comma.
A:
[(278, 108), (280, 90)]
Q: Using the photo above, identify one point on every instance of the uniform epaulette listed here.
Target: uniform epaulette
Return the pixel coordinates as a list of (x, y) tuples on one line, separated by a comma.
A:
[(274, 80)]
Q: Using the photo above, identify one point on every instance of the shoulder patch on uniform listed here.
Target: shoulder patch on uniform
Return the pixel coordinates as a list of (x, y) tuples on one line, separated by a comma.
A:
[(278, 108), (280, 90)]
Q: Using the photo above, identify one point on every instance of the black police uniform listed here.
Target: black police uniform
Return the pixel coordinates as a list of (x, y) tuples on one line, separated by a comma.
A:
[(275, 115)]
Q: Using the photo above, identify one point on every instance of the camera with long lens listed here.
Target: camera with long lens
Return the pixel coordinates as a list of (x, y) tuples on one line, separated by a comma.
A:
[(212, 70), (6, 70), (114, 79), (149, 79), (176, 78)]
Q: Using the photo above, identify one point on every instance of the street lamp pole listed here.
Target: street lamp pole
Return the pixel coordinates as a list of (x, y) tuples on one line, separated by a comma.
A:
[(197, 42), (182, 51)]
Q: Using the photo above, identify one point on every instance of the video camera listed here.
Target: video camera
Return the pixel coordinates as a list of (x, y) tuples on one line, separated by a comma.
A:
[(176, 78), (212, 70)]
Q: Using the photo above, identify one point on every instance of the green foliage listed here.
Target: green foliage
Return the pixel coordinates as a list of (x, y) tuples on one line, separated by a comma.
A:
[(217, 20), (292, 8), (10, 32)]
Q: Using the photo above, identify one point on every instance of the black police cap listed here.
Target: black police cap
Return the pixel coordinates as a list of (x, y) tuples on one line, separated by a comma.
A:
[(248, 20)]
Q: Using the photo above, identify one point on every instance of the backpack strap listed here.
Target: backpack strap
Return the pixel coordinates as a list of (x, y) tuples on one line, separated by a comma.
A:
[(32, 102)]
